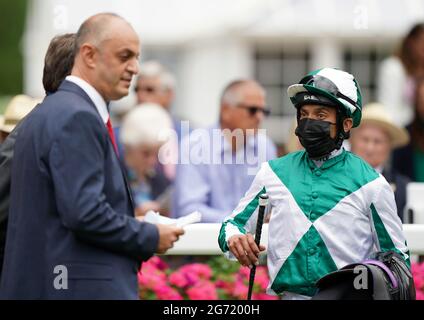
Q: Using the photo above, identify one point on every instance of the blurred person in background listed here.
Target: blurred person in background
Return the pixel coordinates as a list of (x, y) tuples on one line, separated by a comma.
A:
[(409, 160), (58, 64), (156, 84), (398, 75), (18, 107), (374, 141), (212, 188), (143, 132)]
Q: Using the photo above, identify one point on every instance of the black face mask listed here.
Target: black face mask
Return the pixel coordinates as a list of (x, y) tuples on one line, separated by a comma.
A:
[(314, 135)]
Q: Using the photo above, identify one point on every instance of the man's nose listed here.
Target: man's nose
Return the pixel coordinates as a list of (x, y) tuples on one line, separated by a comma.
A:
[(134, 66), (259, 116), (370, 147)]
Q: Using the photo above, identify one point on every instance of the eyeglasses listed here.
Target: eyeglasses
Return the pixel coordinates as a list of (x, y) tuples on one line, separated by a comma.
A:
[(254, 109)]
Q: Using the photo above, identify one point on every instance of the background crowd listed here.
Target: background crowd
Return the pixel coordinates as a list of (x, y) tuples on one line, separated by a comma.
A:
[(391, 137)]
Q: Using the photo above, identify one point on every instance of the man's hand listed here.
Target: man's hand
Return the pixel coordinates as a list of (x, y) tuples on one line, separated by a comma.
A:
[(167, 236), (244, 248)]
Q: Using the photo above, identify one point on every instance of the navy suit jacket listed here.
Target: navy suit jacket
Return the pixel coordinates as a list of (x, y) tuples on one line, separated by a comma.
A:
[(71, 220)]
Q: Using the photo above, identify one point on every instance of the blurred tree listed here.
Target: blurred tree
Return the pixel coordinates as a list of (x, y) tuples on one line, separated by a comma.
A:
[(12, 24)]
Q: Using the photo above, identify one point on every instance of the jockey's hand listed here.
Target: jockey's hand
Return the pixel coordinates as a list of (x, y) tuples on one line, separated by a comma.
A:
[(244, 248)]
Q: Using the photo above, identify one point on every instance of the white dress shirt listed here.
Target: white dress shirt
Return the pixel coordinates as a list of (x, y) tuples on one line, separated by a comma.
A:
[(93, 94)]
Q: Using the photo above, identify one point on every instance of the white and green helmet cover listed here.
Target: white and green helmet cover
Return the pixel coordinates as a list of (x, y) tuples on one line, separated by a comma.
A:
[(337, 85)]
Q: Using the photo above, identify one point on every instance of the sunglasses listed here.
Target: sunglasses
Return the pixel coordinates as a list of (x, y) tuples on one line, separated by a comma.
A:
[(147, 89), (254, 109)]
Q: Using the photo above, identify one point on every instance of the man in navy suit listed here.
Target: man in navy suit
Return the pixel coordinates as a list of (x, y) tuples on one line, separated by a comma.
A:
[(72, 232)]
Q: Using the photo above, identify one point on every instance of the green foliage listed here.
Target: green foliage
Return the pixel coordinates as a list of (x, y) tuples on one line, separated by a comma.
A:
[(4, 100), (12, 25), (223, 266)]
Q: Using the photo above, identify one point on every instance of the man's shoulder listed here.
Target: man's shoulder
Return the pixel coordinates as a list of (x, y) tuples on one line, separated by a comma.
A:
[(57, 114), (359, 167), (288, 160), (286, 165), (63, 105), (63, 99), (359, 173)]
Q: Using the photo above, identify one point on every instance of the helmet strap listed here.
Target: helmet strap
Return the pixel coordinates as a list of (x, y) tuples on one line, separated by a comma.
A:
[(341, 134)]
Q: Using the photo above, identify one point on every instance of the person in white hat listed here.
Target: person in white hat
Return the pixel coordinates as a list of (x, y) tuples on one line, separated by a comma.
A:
[(374, 141), (329, 207), (16, 110)]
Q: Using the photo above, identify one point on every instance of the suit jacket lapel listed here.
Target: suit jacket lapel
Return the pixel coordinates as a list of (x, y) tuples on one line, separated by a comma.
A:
[(72, 87)]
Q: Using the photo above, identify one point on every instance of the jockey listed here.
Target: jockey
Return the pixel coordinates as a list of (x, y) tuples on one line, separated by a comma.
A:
[(329, 208)]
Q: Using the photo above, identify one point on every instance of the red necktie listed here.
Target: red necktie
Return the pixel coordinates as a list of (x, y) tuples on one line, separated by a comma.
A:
[(111, 134)]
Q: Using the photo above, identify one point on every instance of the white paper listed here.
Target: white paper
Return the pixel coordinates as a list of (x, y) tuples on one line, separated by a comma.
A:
[(155, 218)]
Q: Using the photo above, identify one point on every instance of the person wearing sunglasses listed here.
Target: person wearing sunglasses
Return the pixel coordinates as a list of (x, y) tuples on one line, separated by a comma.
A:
[(155, 84), (329, 207), (234, 150)]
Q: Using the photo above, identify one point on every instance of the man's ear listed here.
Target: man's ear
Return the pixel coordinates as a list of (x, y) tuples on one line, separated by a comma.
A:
[(88, 53), (347, 124)]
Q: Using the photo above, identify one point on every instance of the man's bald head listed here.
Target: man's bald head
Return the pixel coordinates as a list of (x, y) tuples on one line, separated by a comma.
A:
[(97, 29), (234, 91), (238, 100), (106, 54)]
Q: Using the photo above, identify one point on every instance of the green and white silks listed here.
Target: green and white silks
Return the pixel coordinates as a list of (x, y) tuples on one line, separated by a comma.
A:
[(321, 219)]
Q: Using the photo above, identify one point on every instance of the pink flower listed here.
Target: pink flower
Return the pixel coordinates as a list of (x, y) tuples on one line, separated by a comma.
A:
[(150, 281), (163, 292), (263, 296), (418, 274), (244, 272), (419, 282), (415, 268), (419, 295), (227, 286), (158, 263), (240, 290), (261, 277), (178, 279), (199, 269), (149, 276), (204, 290)]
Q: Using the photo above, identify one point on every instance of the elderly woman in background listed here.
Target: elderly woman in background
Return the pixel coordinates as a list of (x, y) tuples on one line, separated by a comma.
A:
[(145, 130), (374, 141)]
